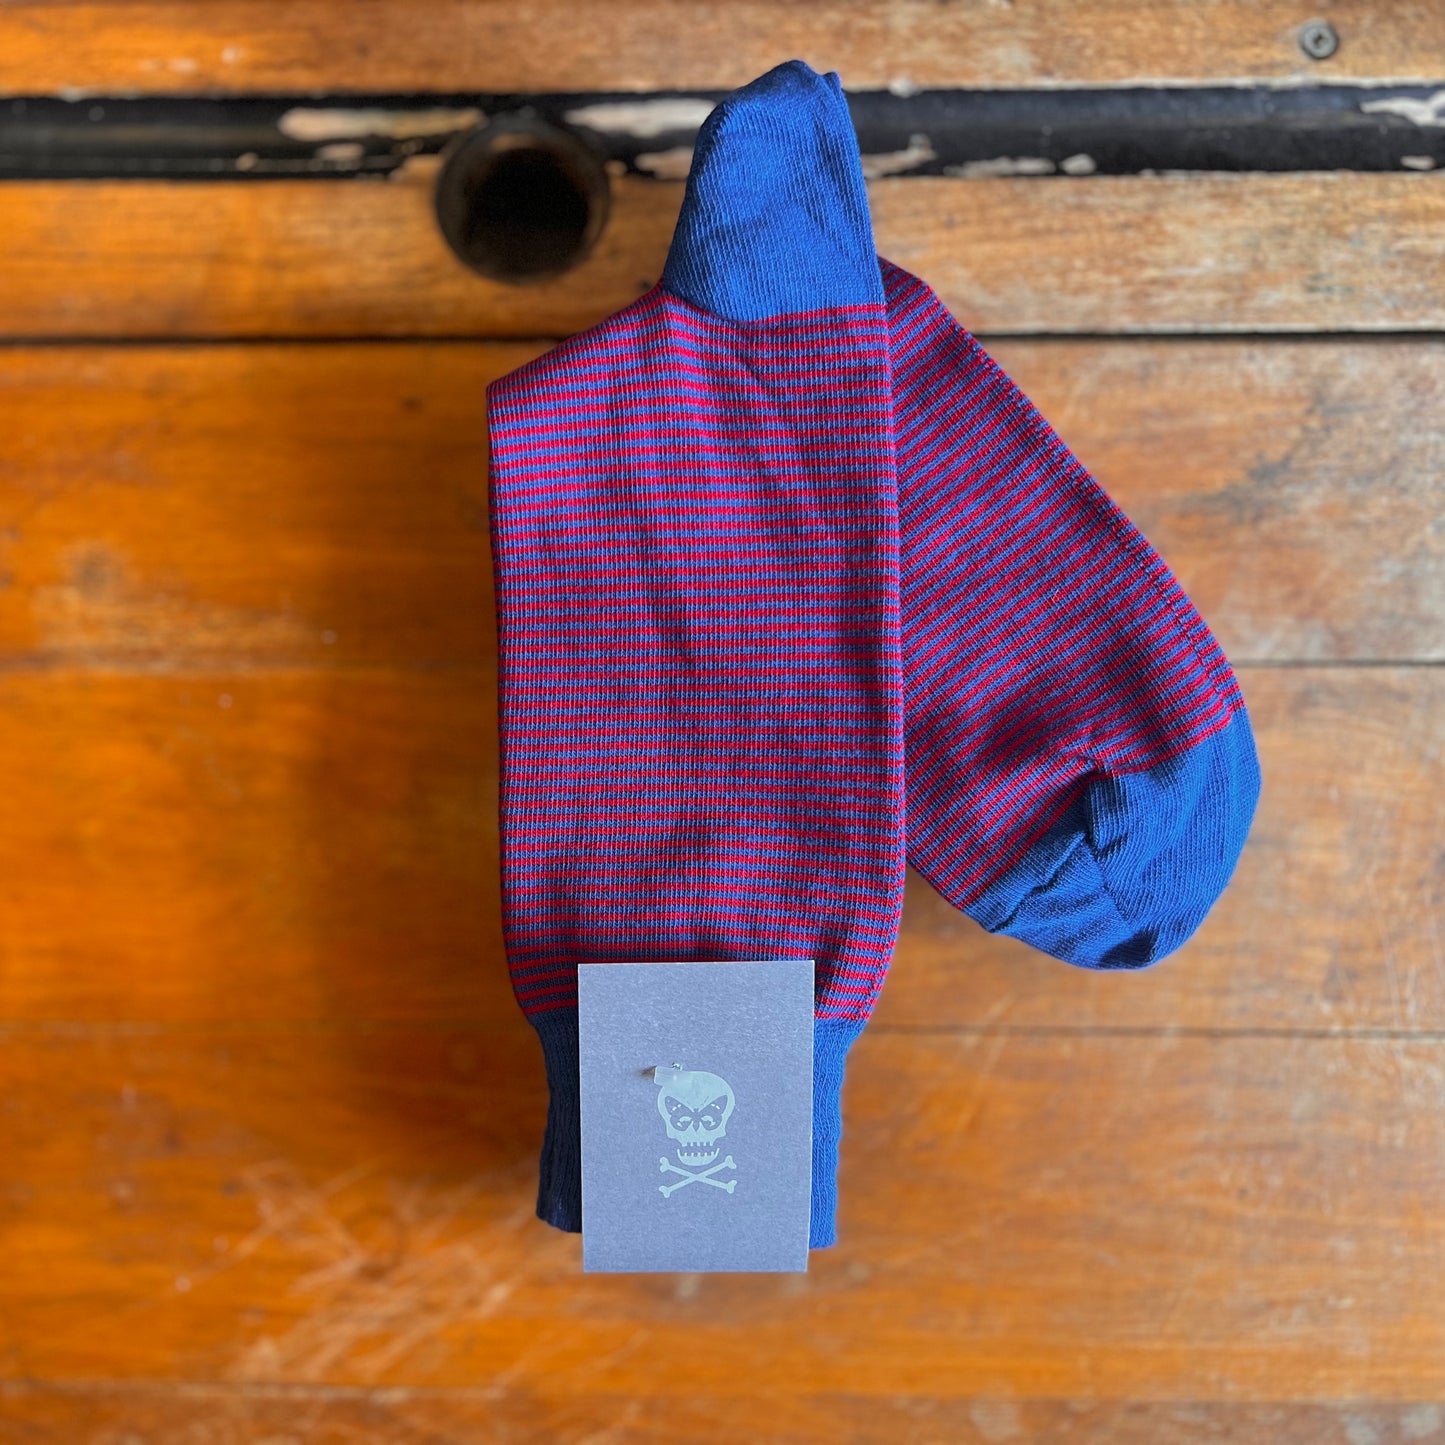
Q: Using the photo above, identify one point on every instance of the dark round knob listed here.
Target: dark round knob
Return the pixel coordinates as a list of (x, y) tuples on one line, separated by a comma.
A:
[(521, 200)]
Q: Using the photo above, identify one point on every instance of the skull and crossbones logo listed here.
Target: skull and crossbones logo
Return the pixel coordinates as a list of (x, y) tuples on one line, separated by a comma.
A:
[(695, 1108)]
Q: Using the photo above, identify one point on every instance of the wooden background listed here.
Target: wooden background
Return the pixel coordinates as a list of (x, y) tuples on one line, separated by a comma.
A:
[(268, 1113)]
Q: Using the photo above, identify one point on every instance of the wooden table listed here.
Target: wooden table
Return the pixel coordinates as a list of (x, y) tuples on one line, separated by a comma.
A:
[(268, 1112)]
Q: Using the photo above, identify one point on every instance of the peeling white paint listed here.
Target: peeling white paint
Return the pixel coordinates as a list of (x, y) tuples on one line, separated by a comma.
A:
[(1079, 165), (344, 151), (1429, 112), (643, 119), (1003, 166), (419, 171), (1418, 163), (670, 165), (315, 125), (920, 151)]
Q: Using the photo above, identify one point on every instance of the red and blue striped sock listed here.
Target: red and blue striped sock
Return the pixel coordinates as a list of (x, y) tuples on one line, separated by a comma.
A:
[(794, 584)]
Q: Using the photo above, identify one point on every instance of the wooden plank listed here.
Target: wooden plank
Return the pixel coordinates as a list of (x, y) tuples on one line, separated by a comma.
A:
[(1104, 254), (59, 1414), (247, 845), (1209, 252), (325, 847), (1334, 918), (1239, 1220), (229, 506), (1294, 486), (185, 507), (480, 45)]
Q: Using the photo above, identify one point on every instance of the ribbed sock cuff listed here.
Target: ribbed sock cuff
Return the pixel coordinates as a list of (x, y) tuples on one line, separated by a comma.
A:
[(559, 1181), (832, 1038), (559, 1184)]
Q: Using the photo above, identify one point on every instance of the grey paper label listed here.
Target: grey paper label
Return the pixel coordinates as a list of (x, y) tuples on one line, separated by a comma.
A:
[(697, 1115)]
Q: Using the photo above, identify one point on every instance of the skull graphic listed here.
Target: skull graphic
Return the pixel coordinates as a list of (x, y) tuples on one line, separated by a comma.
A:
[(695, 1106)]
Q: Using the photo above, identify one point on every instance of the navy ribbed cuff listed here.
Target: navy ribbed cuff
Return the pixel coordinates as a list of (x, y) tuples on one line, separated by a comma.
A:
[(559, 1179), (559, 1183)]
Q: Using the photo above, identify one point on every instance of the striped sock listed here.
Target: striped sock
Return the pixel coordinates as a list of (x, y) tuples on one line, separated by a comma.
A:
[(793, 583)]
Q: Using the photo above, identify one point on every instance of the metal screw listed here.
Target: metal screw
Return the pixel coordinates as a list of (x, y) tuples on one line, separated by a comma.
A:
[(1318, 39)]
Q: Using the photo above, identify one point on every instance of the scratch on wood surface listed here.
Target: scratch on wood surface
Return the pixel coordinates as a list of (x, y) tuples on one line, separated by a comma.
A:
[(1193, 1263), (1437, 955), (619, 1430), (597, 1365), (963, 1120), (373, 1299), (996, 1420), (998, 1009), (1148, 1052), (1422, 1422)]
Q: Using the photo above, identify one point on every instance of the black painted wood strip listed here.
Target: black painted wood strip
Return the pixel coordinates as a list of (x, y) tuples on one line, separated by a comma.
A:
[(1045, 133)]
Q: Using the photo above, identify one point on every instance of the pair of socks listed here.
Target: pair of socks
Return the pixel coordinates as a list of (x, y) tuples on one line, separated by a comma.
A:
[(794, 586)]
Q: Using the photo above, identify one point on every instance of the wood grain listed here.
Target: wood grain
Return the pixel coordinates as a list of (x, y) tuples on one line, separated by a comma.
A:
[(60, 1414), (176, 507), (1236, 1220), (179, 507), (324, 846), (268, 1112), (1294, 486), (1334, 918), (489, 45), (244, 845), (1104, 254)]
